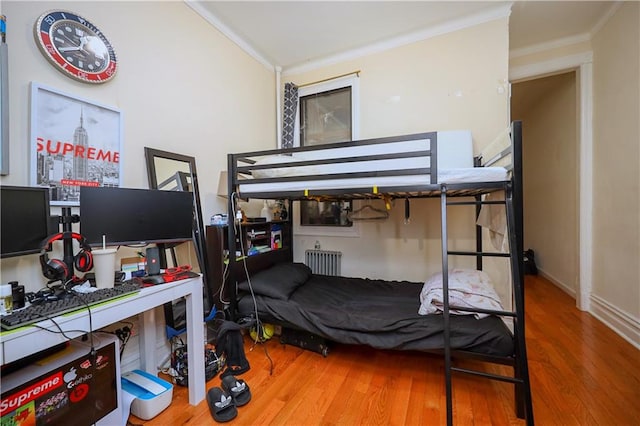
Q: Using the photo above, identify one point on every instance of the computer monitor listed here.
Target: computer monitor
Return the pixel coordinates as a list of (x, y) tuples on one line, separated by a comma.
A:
[(25, 218), (128, 216)]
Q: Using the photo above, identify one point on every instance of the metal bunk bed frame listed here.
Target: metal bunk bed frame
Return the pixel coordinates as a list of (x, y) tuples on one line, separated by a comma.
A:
[(513, 203)]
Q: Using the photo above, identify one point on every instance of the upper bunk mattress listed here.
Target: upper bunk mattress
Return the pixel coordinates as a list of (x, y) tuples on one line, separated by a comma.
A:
[(454, 165)]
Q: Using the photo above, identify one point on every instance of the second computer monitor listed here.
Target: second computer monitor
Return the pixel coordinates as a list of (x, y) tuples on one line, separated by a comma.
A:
[(127, 216)]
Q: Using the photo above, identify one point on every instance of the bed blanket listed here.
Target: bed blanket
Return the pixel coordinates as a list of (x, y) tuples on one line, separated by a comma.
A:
[(378, 313), (467, 288)]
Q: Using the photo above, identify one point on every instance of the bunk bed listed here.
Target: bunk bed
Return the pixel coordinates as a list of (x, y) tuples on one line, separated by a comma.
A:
[(348, 310)]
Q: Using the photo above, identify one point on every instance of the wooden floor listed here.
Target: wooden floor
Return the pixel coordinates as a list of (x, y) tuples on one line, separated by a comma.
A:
[(582, 373)]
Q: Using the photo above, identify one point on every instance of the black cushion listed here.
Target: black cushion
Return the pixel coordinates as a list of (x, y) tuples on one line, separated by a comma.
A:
[(279, 281)]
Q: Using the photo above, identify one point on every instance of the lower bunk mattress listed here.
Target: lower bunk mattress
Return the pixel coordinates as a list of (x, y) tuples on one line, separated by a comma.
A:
[(381, 314)]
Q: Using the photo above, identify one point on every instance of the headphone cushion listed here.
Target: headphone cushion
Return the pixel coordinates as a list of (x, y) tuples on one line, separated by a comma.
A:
[(55, 269), (83, 261)]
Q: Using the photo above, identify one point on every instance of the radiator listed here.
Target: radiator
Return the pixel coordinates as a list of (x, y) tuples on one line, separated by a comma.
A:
[(323, 262)]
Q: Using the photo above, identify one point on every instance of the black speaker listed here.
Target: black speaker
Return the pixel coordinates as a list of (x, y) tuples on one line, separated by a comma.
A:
[(153, 261), (305, 340), (17, 293)]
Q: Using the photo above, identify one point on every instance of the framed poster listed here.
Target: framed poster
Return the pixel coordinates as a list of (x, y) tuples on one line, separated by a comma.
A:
[(74, 142)]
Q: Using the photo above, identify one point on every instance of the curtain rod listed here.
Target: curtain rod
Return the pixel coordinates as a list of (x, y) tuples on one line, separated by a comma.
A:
[(357, 73)]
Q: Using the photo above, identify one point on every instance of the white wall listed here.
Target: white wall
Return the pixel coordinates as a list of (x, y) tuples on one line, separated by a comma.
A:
[(412, 89), (616, 168), (181, 85), (547, 108), (614, 270)]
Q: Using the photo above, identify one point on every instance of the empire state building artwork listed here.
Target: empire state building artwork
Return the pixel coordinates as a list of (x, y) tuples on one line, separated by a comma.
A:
[(76, 144), (80, 163)]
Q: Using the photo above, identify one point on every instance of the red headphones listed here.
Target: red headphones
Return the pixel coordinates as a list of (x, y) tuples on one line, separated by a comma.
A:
[(55, 269)]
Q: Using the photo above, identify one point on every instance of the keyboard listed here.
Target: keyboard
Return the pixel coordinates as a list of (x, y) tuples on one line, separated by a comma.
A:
[(70, 302)]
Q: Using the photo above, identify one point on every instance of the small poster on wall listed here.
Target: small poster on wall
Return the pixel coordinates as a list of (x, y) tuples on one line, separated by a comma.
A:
[(74, 142)]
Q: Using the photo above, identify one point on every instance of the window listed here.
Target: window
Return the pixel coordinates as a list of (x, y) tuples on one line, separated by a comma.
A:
[(325, 117), (327, 113)]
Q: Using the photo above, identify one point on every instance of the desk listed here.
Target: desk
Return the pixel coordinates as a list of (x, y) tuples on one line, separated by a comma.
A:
[(26, 341)]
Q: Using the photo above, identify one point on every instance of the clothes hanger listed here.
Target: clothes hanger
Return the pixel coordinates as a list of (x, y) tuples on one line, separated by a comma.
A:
[(368, 212)]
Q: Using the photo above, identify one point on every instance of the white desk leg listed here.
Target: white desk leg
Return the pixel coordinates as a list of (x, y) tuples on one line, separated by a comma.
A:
[(147, 339), (195, 343)]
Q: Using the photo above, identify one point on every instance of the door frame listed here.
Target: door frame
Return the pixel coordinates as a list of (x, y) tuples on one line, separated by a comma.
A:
[(582, 63)]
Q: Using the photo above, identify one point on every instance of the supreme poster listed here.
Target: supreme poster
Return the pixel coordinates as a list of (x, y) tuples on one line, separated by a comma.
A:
[(74, 142)]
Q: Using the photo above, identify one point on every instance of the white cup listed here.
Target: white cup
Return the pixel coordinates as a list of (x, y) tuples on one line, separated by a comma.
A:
[(104, 267)]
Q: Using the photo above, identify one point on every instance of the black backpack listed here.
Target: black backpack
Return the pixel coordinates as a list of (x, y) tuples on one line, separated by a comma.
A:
[(530, 267)]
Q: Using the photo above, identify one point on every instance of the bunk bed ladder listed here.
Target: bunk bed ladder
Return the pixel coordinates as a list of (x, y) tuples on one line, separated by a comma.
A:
[(520, 378)]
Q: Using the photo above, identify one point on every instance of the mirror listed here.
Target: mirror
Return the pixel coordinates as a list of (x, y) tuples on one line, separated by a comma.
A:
[(176, 172)]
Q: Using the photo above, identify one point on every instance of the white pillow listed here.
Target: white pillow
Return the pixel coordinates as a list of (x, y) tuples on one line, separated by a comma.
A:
[(468, 288)]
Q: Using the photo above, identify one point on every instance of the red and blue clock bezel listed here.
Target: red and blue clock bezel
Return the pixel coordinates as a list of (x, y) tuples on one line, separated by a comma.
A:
[(43, 37)]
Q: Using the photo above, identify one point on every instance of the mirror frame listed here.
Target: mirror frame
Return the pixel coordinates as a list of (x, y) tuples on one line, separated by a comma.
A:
[(151, 154)]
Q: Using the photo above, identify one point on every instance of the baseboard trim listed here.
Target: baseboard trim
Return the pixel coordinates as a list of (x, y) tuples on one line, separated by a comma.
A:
[(619, 321), (570, 291)]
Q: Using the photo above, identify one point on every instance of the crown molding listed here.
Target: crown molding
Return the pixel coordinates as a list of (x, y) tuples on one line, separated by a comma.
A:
[(549, 45), (213, 20), (502, 11), (605, 18), (567, 41), (493, 14)]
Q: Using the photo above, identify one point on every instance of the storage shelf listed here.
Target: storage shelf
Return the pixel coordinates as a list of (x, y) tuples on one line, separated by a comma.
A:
[(264, 234)]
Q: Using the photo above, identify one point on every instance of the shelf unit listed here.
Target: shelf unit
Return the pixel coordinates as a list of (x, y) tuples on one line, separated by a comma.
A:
[(253, 234)]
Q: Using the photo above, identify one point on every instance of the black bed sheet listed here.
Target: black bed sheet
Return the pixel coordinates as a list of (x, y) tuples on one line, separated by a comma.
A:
[(381, 314)]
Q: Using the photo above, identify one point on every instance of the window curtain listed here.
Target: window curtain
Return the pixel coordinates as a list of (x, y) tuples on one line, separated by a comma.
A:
[(289, 114)]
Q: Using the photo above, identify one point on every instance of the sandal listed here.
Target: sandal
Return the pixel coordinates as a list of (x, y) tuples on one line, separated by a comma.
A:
[(221, 405), (238, 389)]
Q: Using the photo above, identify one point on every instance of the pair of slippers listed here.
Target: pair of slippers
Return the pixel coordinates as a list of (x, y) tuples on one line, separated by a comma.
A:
[(223, 401)]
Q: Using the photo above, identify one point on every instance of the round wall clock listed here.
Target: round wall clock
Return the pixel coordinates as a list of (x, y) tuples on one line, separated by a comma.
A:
[(75, 46)]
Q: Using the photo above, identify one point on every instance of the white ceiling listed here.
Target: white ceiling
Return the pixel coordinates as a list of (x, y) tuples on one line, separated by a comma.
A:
[(304, 34)]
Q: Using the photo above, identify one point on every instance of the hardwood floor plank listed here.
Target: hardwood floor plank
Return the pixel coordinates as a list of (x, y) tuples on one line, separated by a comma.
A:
[(580, 354), (421, 409), (478, 409), (582, 373), (381, 397), (340, 411)]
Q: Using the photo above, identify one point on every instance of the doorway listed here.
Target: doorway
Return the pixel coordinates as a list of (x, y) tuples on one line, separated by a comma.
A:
[(549, 110)]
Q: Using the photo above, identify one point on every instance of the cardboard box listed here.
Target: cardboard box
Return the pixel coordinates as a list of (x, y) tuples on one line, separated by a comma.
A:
[(71, 387)]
